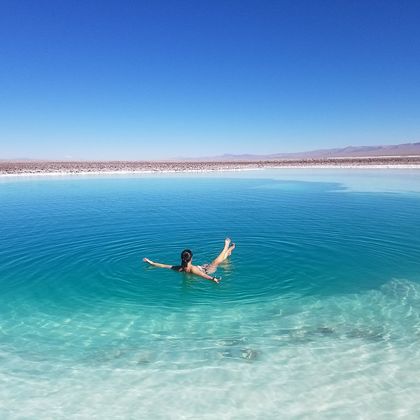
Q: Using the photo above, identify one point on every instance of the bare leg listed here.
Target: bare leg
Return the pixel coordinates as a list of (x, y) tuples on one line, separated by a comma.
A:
[(229, 251), (226, 251)]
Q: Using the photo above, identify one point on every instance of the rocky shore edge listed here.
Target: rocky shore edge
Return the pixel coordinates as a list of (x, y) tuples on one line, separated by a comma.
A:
[(98, 167)]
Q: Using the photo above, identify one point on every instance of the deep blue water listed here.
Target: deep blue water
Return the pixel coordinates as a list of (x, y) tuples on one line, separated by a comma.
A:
[(318, 309)]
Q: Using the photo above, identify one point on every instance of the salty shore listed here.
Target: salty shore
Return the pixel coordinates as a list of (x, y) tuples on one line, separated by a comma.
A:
[(28, 168)]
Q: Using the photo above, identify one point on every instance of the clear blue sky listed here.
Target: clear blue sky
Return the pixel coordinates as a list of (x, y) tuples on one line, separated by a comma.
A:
[(159, 79)]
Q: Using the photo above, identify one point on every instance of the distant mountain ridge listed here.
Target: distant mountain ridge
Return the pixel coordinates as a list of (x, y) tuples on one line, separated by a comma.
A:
[(396, 150), (405, 149)]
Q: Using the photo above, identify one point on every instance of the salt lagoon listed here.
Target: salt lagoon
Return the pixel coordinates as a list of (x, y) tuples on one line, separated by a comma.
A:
[(317, 315)]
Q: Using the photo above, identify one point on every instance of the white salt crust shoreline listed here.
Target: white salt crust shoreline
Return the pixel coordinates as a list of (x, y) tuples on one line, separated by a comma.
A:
[(207, 170)]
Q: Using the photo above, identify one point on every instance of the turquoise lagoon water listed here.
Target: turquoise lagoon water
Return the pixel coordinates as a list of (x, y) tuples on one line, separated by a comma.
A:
[(318, 313)]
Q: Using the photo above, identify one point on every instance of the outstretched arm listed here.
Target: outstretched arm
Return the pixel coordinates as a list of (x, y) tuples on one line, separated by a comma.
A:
[(198, 272), (155, 264)]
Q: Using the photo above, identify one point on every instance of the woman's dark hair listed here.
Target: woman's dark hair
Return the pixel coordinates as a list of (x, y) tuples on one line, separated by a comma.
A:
[(186, 257)]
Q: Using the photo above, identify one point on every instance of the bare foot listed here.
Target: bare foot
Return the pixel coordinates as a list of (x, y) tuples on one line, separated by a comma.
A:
[(227, 242)]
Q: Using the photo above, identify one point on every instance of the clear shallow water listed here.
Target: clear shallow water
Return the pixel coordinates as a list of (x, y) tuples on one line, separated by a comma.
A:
[(318, 313)]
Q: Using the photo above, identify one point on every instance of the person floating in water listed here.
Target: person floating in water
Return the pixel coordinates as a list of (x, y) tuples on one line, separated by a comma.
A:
[(203, 271)]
